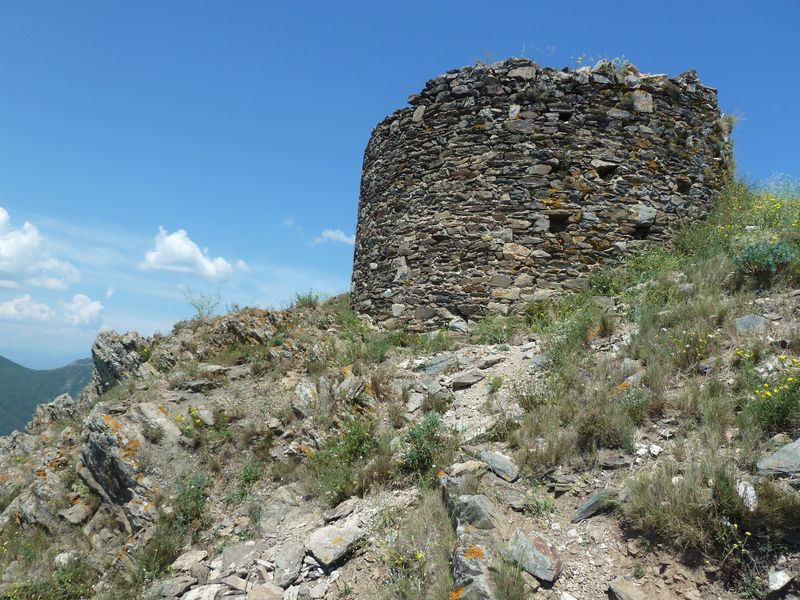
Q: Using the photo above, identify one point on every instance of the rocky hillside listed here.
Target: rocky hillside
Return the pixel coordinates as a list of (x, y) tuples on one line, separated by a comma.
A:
[(22, 389), (637, 439)]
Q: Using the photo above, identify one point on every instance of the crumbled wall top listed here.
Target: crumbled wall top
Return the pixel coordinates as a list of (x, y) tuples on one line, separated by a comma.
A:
[(509, 182)]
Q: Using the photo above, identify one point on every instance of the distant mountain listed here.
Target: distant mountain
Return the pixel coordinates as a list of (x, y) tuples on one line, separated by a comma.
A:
[(22, 389)]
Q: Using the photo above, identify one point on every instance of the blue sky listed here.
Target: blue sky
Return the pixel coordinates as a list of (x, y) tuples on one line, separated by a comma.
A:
[(154, 149)]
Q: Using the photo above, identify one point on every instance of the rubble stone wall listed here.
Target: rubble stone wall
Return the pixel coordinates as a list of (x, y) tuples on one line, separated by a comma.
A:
[(509, 182)]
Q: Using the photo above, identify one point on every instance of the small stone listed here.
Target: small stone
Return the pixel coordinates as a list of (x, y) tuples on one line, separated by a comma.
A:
[(441, 363), (235, 582), (466, 379), (187, 560), (523, 73), (459, 325), (609, 459), (65, 559), (502, 465), (623, 590), (288, 563), (655, 450), (642, 101), (341, 510), (265, 591), (206, 592), (595, 504), (777, 580), (76, 514), (747, 493)]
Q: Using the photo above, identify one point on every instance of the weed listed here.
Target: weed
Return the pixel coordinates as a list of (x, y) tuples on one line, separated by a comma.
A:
[(495, 383), (429, 444), (495, 329), (508, 581), (419, 555), (337, 465), (638, 570)]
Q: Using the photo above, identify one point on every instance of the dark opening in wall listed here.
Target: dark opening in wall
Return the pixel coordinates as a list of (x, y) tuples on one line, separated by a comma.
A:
[(564, 115), (558, 222), (640, 232)]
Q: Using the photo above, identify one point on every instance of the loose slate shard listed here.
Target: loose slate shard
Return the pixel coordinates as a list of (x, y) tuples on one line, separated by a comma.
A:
[(785, 461), (597, 503)]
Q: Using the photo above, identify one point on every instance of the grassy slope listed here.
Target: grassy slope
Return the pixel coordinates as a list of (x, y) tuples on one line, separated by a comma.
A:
[(22, 389)]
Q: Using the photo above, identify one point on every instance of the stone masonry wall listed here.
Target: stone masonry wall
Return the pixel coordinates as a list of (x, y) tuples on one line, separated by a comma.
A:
[(508, 182)]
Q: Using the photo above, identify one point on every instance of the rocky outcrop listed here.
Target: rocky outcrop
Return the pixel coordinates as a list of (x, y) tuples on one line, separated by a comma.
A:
[(116, 357), (506, 183)]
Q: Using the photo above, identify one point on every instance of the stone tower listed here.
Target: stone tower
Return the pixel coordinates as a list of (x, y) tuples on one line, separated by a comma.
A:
[(509, 182)]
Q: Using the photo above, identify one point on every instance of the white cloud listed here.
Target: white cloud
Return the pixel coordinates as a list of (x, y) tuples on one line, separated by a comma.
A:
[(23, 258), (110, 292), (81, 310), (176, 252), (289, 221), (24, 308), (334, 235)]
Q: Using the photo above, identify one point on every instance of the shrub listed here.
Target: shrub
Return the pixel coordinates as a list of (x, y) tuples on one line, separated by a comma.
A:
[(776, 407), (307, 300), (763, 259)]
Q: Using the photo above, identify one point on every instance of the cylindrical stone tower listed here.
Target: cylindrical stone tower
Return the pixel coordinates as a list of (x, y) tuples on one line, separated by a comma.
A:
[(506, 183)]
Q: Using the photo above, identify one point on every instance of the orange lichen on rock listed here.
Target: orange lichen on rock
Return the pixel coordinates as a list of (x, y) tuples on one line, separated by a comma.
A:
[(475, 552), (457, 593), (114, 425)]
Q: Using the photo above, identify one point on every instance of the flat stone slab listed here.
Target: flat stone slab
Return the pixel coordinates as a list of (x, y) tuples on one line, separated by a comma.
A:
[(624, 590), (206, 592), (535, 554), (785, 461), (187, 560), (288, 563), (501, 465), (476, 511), (239, 556), (751, 324), (332, 543), (172, 587), (468, 378), (341, 510), (265, 591), (439, 364), (76, 514)]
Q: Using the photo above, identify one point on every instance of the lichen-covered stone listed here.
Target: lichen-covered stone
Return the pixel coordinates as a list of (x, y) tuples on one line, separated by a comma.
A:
[(508, 182)]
